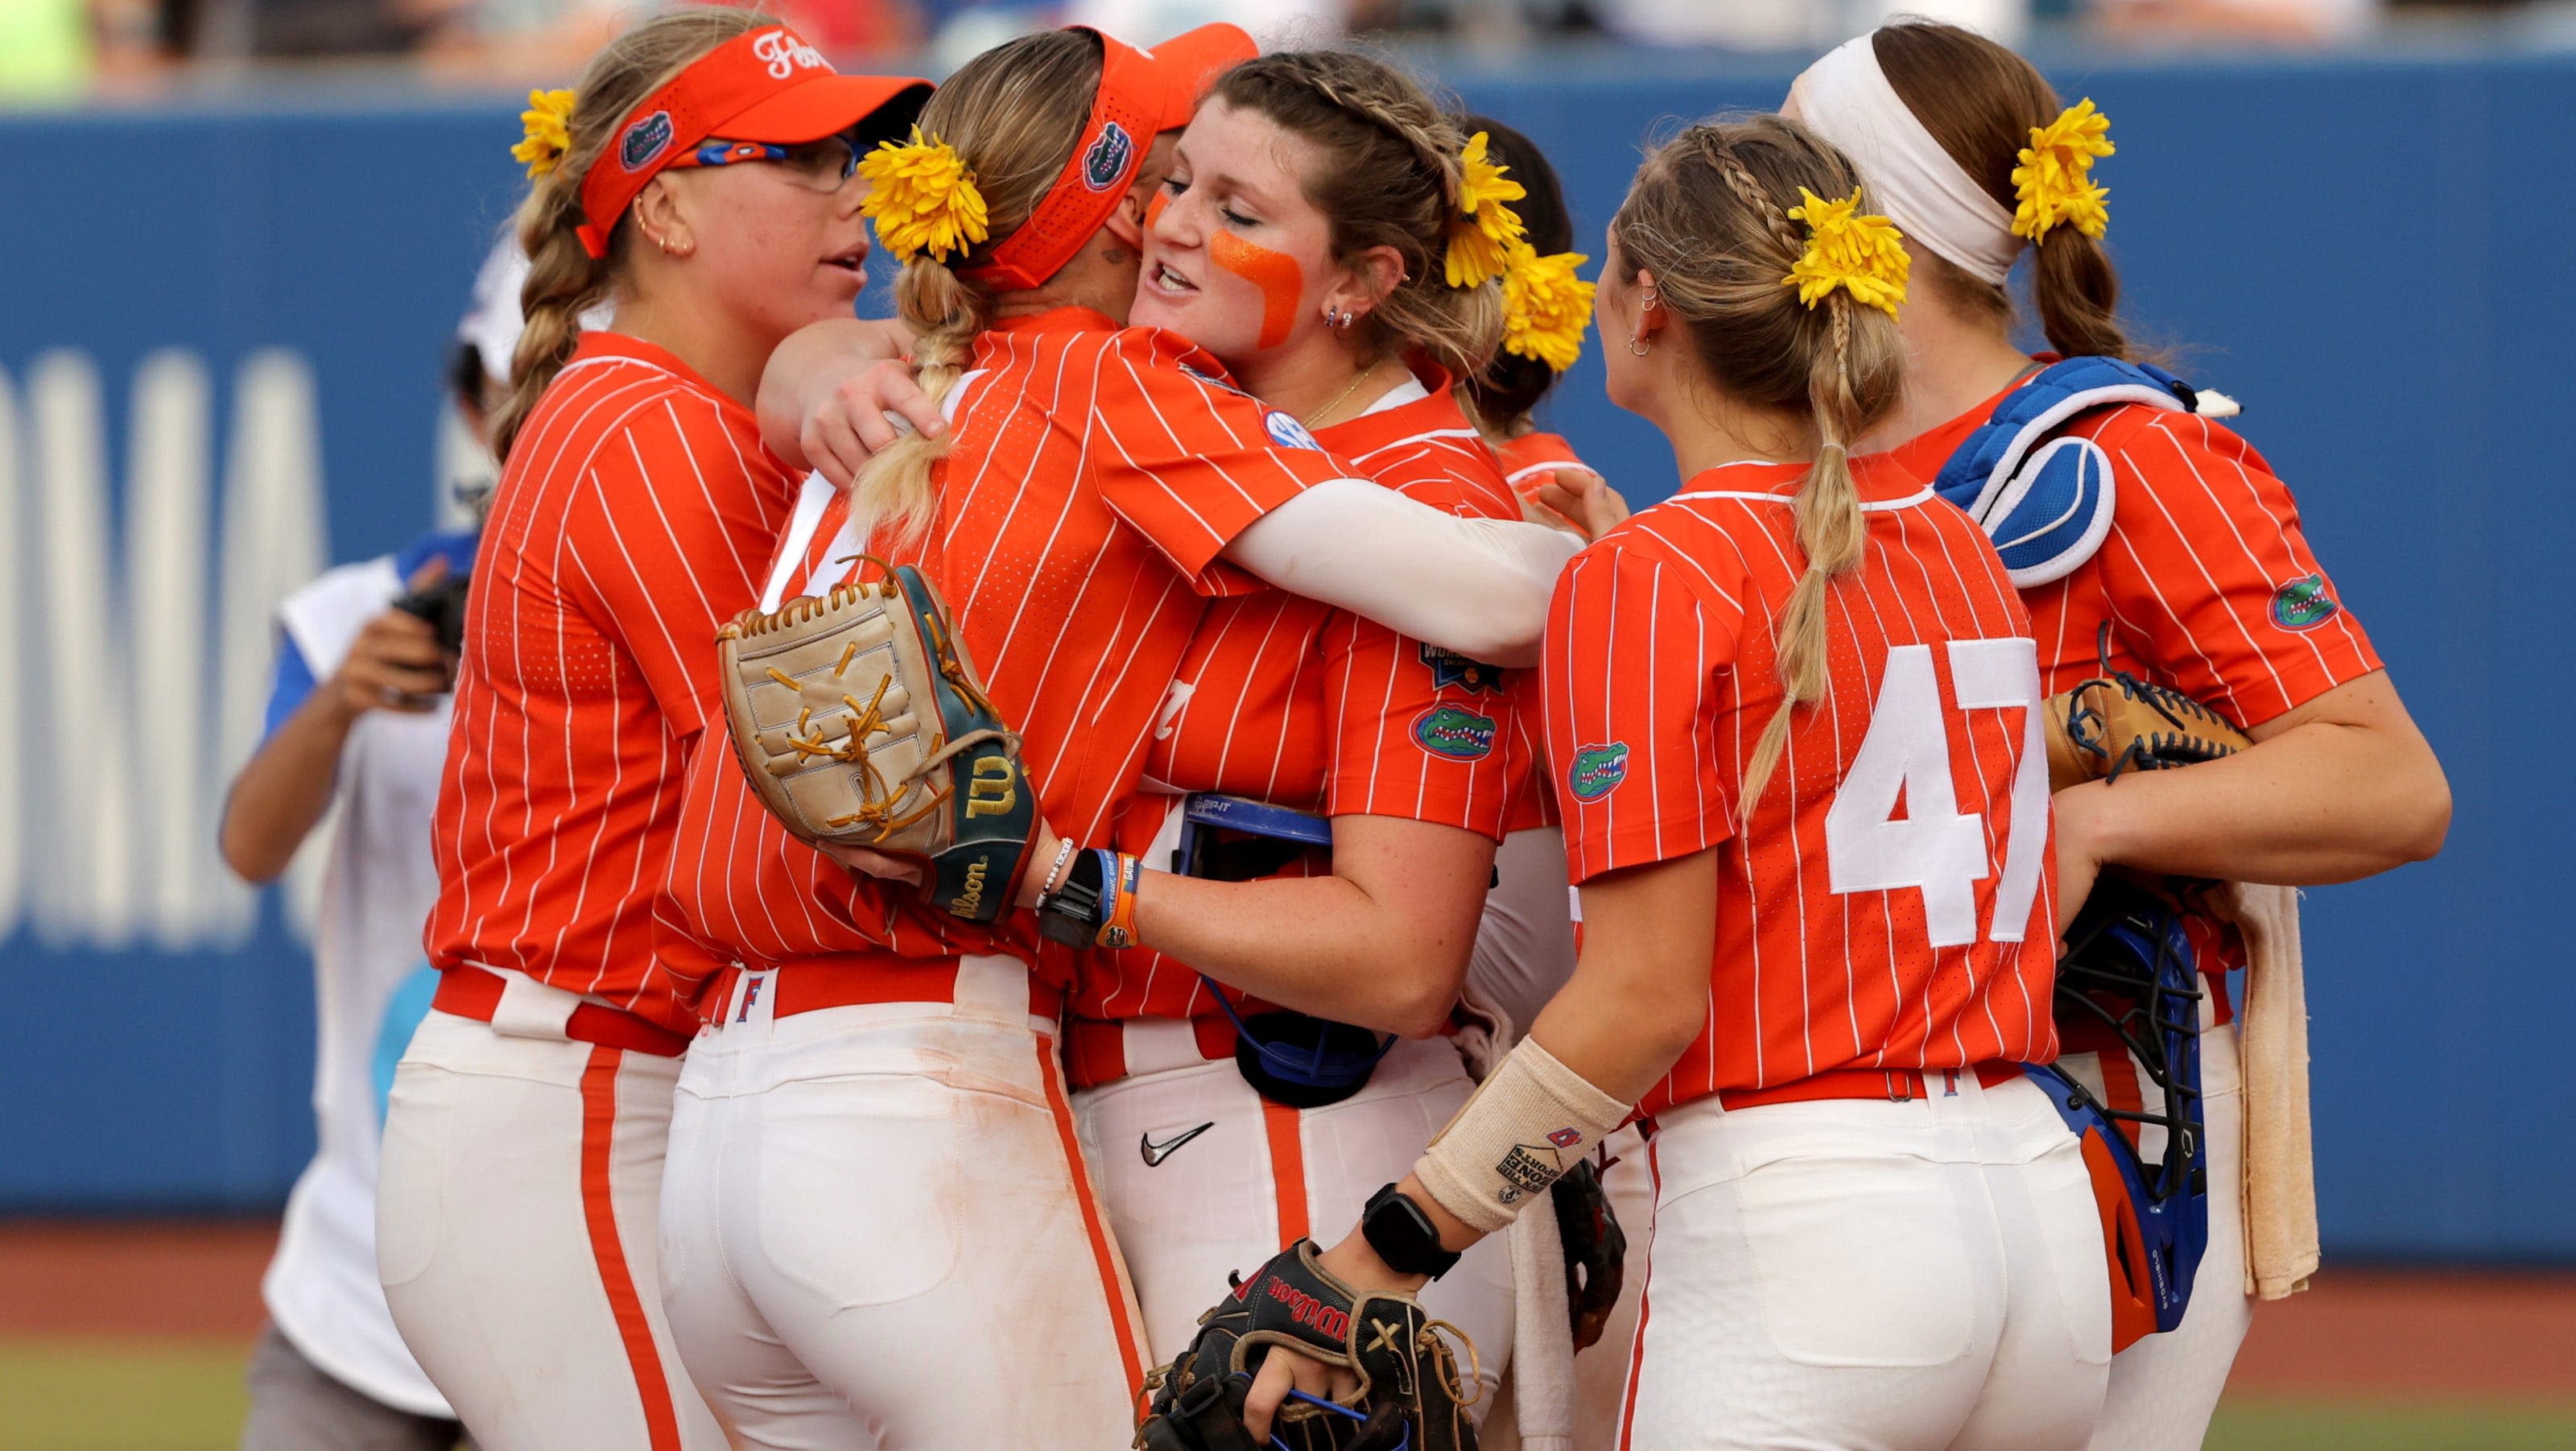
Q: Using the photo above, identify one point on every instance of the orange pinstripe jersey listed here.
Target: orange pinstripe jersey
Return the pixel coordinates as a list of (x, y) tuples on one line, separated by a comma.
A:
[(1092, 479), (635, 515), (1531, 459), (1292, 702), (2206, 580), (1886, 902)]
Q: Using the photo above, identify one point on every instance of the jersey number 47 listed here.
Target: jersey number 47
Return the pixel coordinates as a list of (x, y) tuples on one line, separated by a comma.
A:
[(1935, 847)]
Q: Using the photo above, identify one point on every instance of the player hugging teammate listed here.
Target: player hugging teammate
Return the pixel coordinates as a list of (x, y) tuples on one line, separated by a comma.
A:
[(1081, 917)]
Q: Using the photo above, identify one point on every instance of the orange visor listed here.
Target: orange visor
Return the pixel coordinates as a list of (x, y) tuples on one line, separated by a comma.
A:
[(769, 86), (1142, 93)]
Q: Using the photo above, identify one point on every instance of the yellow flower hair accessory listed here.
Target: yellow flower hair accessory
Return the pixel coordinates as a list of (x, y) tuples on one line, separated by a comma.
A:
[(1545, 306), (548, 122), (1863, 255), (2055, 178), (1480, 247), (922, 198)]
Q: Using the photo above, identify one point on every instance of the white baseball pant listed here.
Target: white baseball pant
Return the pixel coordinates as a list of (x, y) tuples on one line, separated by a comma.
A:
[(1856, 1275), (1240, 1178), (878, 1233), (516, 1219)]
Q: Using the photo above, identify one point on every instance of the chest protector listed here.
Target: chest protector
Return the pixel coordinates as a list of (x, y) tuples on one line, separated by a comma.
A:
[(2042, 495)]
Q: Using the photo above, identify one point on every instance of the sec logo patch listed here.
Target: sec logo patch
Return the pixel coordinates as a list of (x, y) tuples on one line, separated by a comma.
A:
[(1287, 432), (1596, 770), (1454, 734)]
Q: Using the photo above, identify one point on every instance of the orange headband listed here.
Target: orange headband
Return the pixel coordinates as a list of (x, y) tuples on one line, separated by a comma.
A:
[(1142, 93), (768, 85)]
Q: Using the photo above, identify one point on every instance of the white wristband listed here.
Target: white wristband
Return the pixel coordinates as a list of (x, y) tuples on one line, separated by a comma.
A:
[(1533, 1119)]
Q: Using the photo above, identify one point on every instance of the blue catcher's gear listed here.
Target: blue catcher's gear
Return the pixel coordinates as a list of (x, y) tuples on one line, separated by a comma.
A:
[(2129, 966), (1291, 1058), (2043, 497)]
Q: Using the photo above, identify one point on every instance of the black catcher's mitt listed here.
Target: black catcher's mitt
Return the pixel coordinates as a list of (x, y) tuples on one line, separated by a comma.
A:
[(1410, 1395), (1596, 1251)]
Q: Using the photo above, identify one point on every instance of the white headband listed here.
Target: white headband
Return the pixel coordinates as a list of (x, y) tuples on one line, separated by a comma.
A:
[(1845, 98)]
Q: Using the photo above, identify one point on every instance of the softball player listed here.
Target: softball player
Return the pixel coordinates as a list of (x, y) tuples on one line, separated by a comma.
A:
[(2202, 578), (874, 1163), (700, 176), (358, 715), (1793, 716), (1315, 294)]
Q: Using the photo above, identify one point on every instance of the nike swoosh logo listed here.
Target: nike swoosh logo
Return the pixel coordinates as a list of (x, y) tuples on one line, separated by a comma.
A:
[(1155, 1153)]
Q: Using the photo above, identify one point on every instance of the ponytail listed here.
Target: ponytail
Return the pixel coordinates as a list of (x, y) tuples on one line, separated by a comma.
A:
[(564, 281), (895, 489), (2078, 292)]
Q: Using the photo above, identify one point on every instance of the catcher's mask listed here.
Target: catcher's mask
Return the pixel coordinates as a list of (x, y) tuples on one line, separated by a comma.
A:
[(2129, 967)]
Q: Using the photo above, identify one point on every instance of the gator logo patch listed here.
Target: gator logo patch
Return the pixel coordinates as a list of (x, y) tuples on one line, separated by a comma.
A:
[(2303, 604), (1105, 164), (1453, 671), (1454, 734), (1596, 770), (644, 141)]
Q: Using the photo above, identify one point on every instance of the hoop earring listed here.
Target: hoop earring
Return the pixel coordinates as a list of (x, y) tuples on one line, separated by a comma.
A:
[(1639, 347)]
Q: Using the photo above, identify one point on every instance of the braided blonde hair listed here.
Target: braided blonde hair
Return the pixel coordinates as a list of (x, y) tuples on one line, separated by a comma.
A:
[(1389, 177), (1013, 115), (564, 280), (1709, 217)]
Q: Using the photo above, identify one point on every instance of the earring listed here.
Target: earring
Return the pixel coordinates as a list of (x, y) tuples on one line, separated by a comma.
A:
[(1332, 317), (1639, 346), (1347, 319)]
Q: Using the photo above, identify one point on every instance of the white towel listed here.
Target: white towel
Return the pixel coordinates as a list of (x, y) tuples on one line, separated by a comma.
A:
[(2280, 1182)]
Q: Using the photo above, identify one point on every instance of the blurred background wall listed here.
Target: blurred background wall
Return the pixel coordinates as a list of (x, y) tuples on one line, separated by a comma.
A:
[(227, 291)]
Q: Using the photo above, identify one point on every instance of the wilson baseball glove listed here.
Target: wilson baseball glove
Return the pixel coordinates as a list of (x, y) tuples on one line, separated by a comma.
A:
[(1409, 1396), (861, 721), (2116, 722)]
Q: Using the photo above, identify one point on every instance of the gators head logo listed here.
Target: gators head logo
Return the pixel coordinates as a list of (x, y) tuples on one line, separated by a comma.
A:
[(1105, 164), (1596, 769), (644, 141), (1454, 734), (2303, 604)]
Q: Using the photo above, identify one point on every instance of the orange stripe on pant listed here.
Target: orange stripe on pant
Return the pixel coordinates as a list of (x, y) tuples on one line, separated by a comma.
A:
[(599, 1214), (1113, 1276), (1286, 1133), (1645, 1287)]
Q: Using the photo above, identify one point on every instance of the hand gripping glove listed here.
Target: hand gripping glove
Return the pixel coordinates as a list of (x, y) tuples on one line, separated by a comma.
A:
[(2117, 722), (860, 721), (1410, 1397), (1596, 1251)]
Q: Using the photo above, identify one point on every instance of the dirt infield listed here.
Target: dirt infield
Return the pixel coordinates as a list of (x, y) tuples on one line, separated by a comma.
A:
[(2367, 1332)]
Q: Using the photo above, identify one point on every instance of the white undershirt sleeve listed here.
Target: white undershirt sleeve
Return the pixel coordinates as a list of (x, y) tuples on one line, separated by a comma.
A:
[(1476, 586)]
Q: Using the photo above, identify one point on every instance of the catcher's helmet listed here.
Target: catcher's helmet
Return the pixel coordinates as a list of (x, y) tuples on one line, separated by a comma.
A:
[(2128, 965)]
